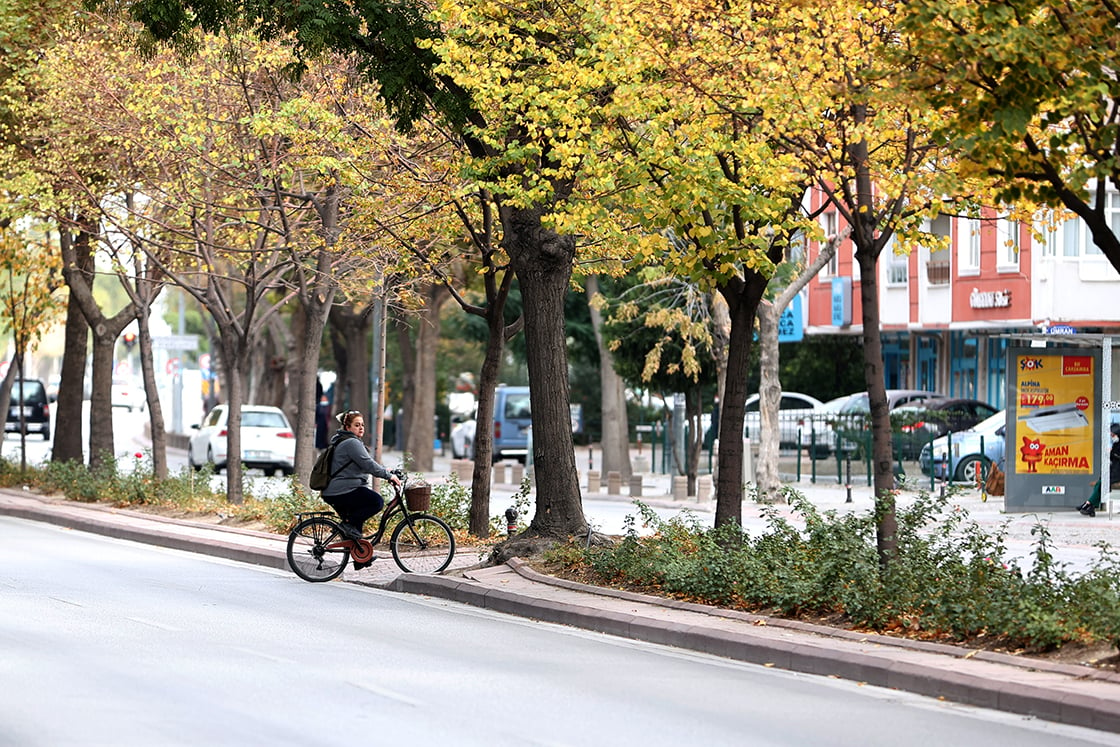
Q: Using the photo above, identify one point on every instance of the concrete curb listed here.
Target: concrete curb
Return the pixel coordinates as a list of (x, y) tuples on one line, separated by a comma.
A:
[(191, 543), (524, 570), (864, 667)]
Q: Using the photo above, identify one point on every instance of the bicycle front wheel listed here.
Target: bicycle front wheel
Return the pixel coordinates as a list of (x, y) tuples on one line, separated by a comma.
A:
[(422, 544), (317, 550)]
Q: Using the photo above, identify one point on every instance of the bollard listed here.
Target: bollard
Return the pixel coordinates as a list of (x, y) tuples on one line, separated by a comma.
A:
[(511, 521), (680, 488), (517, 473), (704, 488), (614, 483), (593, 485), (635, 486), (500, 473)]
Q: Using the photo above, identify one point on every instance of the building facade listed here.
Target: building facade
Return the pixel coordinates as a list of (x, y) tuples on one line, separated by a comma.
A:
[(946, 314)]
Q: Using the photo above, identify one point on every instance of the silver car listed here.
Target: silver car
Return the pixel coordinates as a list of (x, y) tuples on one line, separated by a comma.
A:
[(962, 456)]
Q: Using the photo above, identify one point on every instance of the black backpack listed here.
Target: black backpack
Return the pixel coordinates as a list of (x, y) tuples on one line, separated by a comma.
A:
[(321, 473)]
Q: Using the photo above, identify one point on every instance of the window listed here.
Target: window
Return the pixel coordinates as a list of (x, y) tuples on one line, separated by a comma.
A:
[(1112, 215), (898, 266), (968, 246), (517, 407), (937, 256), (1063, 240), (938, 271), (1007, 245)]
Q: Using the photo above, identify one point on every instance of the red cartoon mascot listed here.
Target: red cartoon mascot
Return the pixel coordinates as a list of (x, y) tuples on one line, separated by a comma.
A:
[(1031, 451)]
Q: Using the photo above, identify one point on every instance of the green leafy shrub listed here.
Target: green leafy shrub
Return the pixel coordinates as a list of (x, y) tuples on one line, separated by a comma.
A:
[(279, 513), (451, 501), (951, 579)]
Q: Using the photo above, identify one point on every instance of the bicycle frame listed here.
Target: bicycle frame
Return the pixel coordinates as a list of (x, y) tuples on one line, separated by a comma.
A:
[(396, 506), (419, 542)]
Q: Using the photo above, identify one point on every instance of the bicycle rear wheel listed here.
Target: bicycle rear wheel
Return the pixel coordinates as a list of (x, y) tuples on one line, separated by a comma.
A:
[(317, 549), (422, 544)]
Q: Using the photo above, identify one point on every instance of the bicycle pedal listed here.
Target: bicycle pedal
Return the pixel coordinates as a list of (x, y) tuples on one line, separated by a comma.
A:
[(361, 551)]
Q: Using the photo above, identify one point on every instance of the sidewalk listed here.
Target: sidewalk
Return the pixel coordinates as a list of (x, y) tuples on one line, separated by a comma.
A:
[(1071, 694)]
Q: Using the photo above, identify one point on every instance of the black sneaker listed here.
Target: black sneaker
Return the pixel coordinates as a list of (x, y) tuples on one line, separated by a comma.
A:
[(359, 566), (1087, 509), (351, 532)]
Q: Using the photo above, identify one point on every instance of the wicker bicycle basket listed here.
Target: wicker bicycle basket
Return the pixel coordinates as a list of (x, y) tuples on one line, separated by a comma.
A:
[(418, 497)]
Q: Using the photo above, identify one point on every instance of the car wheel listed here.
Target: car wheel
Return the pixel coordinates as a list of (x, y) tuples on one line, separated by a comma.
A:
[(969, 468), (210, 459), (269, 471), (47, 434), (287, 471)]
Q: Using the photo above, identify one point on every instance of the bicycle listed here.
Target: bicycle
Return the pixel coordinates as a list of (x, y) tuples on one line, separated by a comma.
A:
[(318, 549)]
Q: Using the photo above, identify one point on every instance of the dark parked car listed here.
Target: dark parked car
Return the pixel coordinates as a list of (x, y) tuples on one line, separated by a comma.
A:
[(36, 409), (852, 422), (918, 424)]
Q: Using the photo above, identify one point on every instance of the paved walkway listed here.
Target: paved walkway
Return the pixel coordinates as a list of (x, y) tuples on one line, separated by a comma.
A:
[(1072, 694)]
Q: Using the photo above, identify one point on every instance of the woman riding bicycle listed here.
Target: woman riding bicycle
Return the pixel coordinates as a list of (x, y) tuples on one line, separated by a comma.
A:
[(348, 492)]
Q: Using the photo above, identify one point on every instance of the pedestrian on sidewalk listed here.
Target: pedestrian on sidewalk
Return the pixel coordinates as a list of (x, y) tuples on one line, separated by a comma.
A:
[(1091, 506)]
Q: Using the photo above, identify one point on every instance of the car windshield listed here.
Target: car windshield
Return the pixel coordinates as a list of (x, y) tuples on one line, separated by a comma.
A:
[(834, 405), (28, 390), (263, 420), (991, 423)]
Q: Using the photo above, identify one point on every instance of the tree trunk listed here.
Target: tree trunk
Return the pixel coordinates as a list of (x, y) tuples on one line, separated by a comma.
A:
[(105, 332), (770, 389), (498, 333), (542, 261), (316, 310), (695, 437), (743, 297), (234, 355), (721, 335), (352, 344), (869, 240), (882, 451), (102, 444), (155, 409), (616, 427), (67, 445), (484, 424), (769, 401), (15, 370)]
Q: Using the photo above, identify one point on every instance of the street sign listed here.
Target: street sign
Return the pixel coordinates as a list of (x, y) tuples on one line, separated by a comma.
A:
[(175, 342)]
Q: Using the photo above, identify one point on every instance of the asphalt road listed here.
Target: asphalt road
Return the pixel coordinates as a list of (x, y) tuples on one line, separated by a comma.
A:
[(109, 642)]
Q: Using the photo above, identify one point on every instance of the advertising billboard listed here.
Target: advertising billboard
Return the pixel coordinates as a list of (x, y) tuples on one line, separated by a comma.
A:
[(1052, 433)]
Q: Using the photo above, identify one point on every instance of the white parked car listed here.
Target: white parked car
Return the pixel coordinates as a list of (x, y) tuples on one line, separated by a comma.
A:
[(794, 411), (817, 435), (267, 440), (127, 394)]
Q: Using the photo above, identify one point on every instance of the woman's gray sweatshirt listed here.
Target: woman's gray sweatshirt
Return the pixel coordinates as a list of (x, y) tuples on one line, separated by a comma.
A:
[(351, 465)]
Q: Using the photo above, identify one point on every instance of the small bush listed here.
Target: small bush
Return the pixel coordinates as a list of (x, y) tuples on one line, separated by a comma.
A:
[(451, 501)]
